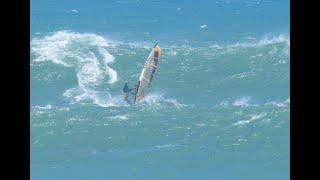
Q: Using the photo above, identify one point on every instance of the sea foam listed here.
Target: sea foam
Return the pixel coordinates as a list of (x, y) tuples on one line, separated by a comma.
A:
[(86, 53), (253, 117)]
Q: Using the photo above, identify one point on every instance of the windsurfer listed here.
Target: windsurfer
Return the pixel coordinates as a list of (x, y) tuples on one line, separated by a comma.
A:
[(126, 90)]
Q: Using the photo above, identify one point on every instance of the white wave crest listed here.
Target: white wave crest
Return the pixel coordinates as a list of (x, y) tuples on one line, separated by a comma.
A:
[(157, 98), (120, 117), (85, 52), (204, 26), (243, 101), (264, 41), (102, 99), (133, 45), (253, 117), (267, 40), (284, 103), (46, 107), (175, 103), (74, 11), (240, 75)]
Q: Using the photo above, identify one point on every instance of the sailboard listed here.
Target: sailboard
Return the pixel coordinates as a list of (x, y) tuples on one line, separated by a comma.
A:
[(147, 74)]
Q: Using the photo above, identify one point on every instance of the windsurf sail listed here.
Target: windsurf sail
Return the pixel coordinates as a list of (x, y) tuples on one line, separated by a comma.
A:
[(147, 74)]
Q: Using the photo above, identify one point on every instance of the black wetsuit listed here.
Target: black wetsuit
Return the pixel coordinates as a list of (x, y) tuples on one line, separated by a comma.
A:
[(126, 91)]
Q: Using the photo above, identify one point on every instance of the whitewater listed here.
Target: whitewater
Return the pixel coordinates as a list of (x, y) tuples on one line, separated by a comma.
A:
[(195, 105)]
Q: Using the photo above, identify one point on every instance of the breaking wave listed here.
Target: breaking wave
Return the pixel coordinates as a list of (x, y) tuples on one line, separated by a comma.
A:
[(86, 53)]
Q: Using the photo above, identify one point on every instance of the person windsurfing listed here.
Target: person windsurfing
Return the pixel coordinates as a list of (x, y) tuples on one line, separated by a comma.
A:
[(126, 90)]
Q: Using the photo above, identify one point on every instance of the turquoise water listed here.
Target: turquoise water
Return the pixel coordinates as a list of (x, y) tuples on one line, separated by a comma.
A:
[(218, 109)]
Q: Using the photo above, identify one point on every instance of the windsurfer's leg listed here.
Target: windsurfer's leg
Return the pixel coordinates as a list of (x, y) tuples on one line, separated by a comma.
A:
[(126, 98), (152, 73)]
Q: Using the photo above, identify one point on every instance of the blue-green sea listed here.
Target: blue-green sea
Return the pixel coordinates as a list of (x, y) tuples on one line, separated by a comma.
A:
[(219, 107)]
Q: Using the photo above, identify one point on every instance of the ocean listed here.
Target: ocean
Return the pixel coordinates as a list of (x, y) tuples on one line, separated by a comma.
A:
[(219, 107)]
